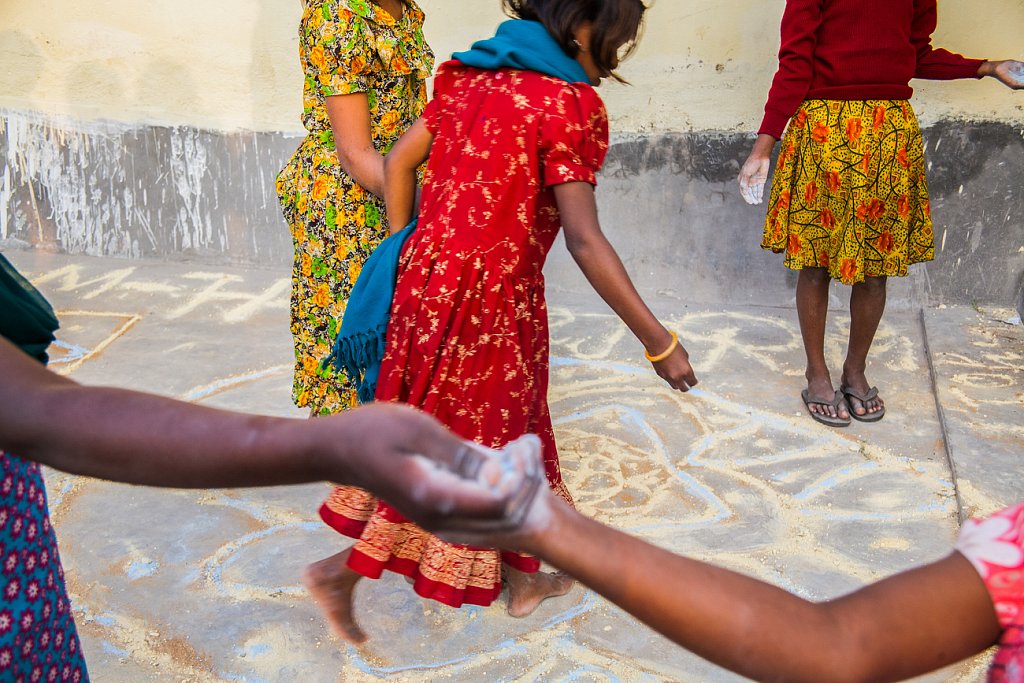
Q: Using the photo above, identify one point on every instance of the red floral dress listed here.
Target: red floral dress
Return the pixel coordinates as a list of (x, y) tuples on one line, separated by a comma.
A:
[(468, 338), (995, 546)]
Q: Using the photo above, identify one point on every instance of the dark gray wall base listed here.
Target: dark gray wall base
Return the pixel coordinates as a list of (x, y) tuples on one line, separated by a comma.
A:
[(668, 202)]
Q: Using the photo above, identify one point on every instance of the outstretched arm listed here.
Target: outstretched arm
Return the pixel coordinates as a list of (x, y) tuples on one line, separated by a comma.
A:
[(604, 270), (396, 452), (903, 626), (400, 165)]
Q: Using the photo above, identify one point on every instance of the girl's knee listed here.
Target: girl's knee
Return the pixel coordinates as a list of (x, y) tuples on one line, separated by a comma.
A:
[(815, 275), (873, 284)]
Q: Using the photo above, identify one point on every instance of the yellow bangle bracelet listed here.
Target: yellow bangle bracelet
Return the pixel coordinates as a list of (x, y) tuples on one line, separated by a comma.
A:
[(666, 353)]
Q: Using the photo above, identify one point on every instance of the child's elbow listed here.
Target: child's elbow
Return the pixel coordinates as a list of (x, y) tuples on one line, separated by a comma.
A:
[(577, 244)]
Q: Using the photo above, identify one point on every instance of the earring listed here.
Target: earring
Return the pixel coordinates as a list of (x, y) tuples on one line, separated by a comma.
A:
[(579, 45)]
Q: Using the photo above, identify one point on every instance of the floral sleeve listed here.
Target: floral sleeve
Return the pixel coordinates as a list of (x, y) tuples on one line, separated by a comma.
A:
[(574, 137), (337, 56), (995, 546)]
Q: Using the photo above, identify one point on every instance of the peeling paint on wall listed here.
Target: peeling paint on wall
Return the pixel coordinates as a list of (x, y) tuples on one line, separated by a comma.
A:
[(111, 189), (163, 192)]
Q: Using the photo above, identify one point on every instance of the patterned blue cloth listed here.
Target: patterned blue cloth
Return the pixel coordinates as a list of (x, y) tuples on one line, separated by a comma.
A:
[(38, 639)]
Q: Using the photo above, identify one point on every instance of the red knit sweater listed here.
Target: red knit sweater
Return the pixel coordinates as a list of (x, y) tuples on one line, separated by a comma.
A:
[(856, 50)]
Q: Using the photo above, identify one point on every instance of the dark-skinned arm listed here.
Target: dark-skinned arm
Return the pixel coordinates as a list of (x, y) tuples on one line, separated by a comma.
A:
[(603, 268), (138, 438), (350, 123), (400, 165), (902, 626)]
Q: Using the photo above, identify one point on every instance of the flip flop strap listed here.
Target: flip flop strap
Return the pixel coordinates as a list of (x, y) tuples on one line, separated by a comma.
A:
[(871, 394)]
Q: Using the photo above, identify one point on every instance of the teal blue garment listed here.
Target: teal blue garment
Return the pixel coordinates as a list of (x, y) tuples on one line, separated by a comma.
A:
[(359, 346), (26, 317), (522, 44)]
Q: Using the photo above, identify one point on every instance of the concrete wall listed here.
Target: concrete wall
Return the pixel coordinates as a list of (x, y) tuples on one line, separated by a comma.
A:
[(231, 64), (156, 130)]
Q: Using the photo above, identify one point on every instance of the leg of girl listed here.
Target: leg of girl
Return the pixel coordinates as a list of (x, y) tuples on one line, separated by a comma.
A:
[(527, 590), (812, 310), (331, 583), (867, 303)]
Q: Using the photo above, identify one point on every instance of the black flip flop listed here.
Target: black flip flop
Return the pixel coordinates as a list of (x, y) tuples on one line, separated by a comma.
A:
[(863, 398), (826, 419)]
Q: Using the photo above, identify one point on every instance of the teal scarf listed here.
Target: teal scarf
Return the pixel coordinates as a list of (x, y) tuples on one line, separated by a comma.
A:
[(359, 347), (522, 44), (26, 318)]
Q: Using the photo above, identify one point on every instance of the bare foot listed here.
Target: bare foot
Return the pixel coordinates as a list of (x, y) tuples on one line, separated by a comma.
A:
[(527, 591), (331, 583)]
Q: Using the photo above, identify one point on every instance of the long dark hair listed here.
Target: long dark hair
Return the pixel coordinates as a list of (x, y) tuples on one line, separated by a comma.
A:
[(614, 24)]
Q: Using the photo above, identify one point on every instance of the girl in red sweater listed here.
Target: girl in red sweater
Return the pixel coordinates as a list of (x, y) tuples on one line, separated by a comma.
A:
[(849, 200)]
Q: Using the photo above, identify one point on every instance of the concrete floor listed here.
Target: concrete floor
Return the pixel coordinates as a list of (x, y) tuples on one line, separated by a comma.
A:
[(184, 586)]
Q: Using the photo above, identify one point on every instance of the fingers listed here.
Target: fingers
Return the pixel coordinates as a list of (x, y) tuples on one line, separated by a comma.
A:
[(752, 191), (528, 508), (690, 377), (436, 443), (752, 179), (1014, 71), (497, 500), (433, 496), (677, 371)]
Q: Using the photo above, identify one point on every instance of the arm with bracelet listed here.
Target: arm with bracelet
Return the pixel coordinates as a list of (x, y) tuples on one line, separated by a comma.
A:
[(604, 270)]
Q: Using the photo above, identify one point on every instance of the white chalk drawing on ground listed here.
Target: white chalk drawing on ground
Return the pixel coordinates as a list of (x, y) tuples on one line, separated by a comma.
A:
[(612, 442), (198, 292), (619, 435), (67, 357), (995, 361)]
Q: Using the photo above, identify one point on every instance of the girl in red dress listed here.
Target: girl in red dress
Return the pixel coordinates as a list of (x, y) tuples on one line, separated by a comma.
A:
[(515, 136)]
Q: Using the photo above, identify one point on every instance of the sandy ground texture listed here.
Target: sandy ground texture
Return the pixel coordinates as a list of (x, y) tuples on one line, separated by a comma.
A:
[(185, 586)]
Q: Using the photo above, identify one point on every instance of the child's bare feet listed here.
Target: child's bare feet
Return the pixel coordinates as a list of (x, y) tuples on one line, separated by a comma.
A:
[(331, 583), (527, 591)]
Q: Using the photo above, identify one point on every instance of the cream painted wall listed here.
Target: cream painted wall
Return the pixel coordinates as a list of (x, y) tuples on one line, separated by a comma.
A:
[(232, 64)]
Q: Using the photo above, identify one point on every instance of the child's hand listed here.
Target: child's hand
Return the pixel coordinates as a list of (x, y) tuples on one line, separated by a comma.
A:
[(752, 178), (676, 369), (754, 173), (1010, 72)]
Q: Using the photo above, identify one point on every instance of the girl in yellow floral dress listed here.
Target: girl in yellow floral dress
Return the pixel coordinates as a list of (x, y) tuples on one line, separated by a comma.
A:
[(365, 65), (849, 200)]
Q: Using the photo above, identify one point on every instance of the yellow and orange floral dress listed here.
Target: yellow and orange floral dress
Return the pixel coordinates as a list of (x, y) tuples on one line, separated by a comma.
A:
[(345, 47), (849, 193)]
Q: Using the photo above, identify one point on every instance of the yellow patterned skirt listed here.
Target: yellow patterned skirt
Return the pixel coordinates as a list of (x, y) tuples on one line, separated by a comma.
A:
[(849, 192)]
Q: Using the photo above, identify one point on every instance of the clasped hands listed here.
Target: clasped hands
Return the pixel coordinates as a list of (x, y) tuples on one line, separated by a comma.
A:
[(457, 489)]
